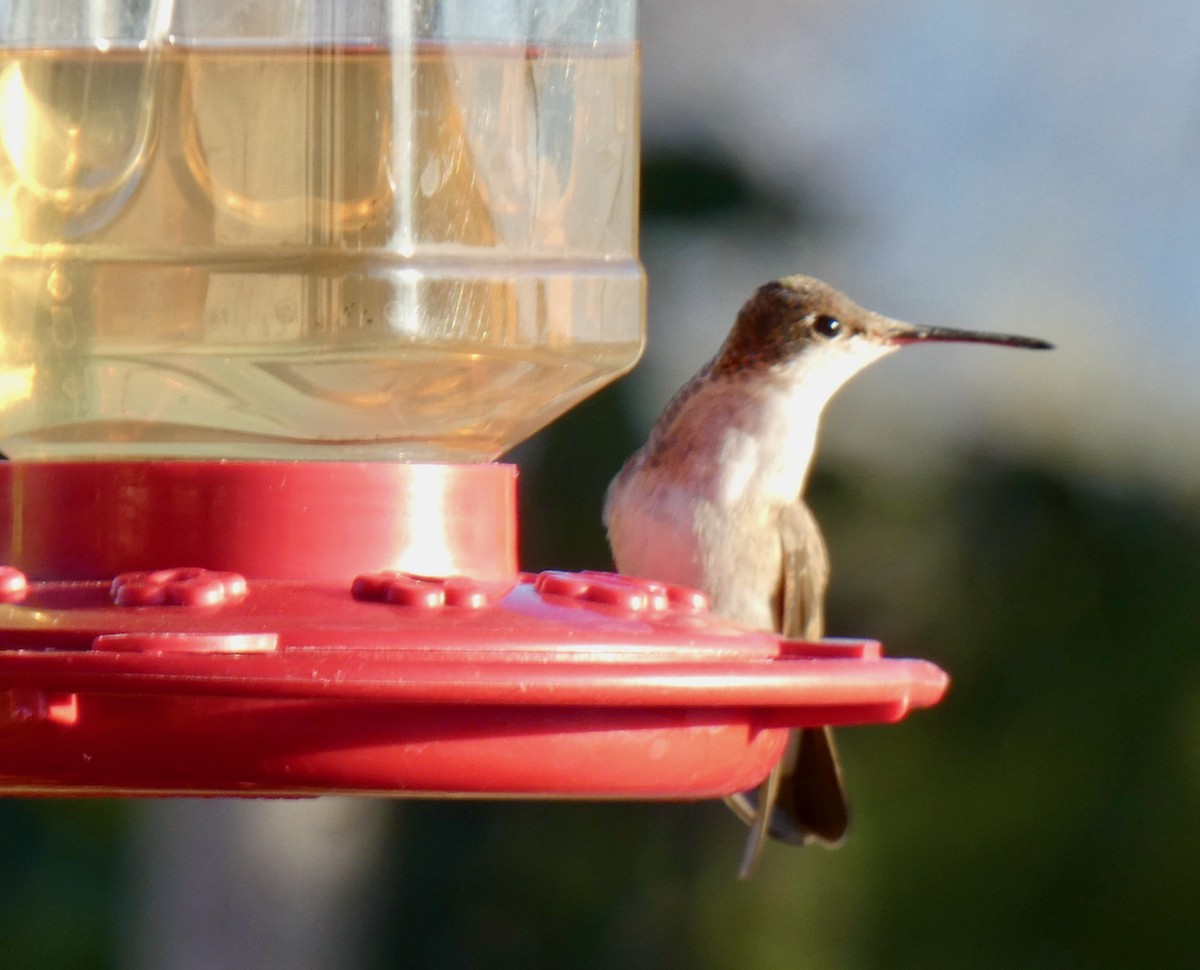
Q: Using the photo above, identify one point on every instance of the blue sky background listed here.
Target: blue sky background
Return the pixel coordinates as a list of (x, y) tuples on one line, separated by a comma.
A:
[(1013, 166)]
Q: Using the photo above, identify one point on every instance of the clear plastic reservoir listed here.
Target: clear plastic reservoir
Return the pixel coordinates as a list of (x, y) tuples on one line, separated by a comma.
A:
[(328, 230)]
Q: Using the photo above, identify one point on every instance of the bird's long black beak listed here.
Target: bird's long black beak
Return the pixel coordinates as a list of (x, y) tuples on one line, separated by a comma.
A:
[(906, 333)]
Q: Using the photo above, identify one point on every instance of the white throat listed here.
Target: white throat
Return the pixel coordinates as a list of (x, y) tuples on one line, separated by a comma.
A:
[(767, 449)]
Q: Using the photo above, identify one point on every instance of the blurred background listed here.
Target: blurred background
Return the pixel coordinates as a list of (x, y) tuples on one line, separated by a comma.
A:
[(1030, 522)]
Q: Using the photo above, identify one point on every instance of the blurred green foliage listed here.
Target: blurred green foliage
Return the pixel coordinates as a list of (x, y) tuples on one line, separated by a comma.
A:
[(60, 895)]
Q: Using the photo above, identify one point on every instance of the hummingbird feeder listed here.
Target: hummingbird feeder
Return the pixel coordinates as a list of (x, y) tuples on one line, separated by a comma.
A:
[(275, 290)]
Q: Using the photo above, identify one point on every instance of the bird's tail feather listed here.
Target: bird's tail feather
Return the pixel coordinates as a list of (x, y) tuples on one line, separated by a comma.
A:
[(801, 802)]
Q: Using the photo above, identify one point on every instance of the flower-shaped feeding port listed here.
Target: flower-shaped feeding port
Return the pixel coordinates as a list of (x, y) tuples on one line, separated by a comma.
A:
[(185, 586), (426, 592), (628, 593)]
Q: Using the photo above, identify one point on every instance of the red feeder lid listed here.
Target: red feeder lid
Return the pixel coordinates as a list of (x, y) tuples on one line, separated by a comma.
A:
[(243, 671)]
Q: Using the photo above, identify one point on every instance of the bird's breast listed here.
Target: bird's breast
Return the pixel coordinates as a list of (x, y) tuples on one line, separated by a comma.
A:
[(660, 529), (700, 506), (763, 454), (651, 530)]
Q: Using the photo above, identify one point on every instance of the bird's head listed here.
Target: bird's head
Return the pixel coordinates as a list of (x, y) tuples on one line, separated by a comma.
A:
[(806, 332)]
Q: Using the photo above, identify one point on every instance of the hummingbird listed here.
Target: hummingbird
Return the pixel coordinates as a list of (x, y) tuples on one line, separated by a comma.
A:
[(714, 500)]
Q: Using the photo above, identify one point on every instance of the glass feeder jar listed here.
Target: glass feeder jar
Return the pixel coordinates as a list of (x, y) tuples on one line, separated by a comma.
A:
[(375, 230)]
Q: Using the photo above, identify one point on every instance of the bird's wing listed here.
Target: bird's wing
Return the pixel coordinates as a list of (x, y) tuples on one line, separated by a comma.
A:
[(805, 574), (812, 795), (804, 795)]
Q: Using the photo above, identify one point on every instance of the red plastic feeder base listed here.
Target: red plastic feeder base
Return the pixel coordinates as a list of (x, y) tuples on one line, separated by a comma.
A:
[(301, 628)]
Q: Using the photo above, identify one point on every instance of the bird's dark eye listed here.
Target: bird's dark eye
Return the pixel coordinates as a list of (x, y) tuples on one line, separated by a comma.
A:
[(826, 325)]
